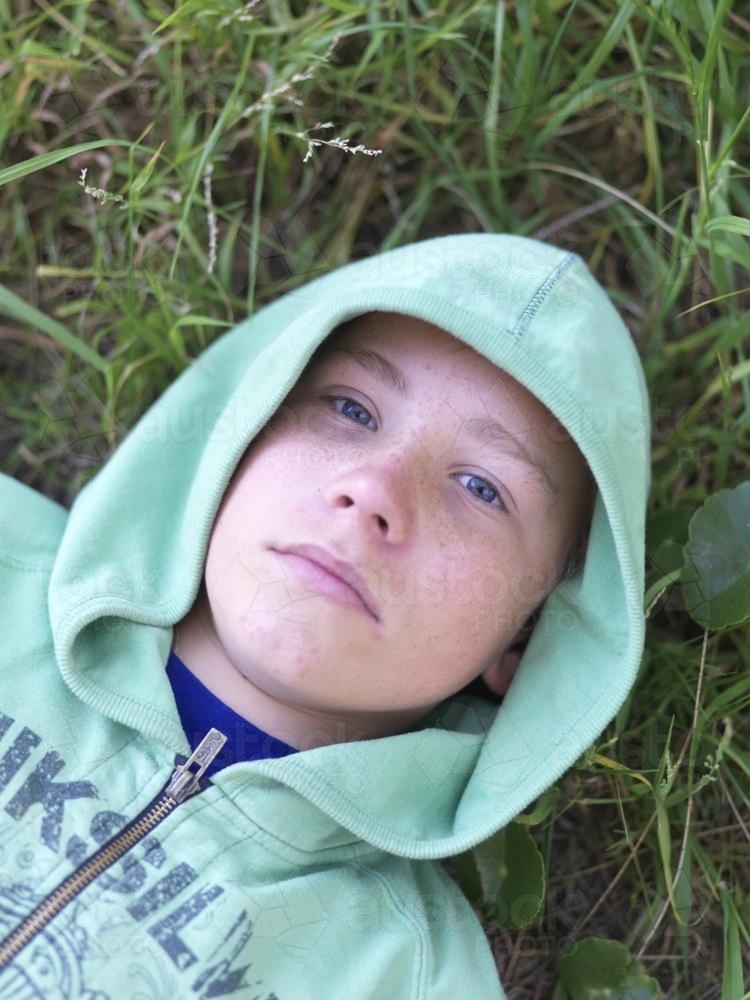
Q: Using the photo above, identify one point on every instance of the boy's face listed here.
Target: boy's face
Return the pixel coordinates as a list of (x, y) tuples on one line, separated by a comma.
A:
[(450, 531)]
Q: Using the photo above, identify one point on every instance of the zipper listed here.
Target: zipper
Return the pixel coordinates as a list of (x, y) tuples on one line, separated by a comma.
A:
[(184, 782)]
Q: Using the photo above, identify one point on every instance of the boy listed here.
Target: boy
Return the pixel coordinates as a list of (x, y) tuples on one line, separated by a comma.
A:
[(347, 511)]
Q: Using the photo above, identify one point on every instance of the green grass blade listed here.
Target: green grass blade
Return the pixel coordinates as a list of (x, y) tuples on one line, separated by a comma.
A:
[(712, 46), (44, 160), (729, 224), (732, 985), (14, 307), (208, 149)]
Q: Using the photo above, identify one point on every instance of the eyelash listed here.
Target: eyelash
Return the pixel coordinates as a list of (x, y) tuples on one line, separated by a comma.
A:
[(333, 400), (500, 502), (346, 399)]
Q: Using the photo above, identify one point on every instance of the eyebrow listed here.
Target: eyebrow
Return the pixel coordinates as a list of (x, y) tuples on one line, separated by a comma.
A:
[(488, 432), (492, 434), (375, 364)]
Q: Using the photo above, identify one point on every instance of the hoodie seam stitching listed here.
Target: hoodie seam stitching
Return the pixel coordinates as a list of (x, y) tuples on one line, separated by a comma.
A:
[(541, 295), (25, 567), (122, 602), (418, 930)]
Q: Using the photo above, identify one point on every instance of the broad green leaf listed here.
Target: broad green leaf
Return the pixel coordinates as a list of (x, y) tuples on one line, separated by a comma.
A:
[(716, 574), (594, 965), (503, 877), (638, 986), (669, 526), (14, 307), (665, 535), (670, 556), (601, 968), (30, 166)]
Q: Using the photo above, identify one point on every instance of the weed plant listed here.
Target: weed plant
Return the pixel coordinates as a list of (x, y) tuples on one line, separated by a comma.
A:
[(163, 172)]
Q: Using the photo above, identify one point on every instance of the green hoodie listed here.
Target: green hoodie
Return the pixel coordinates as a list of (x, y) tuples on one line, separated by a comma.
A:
[(311, 875)]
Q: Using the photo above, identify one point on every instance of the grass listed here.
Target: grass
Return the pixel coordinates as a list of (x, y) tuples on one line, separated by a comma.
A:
[(619, 130)]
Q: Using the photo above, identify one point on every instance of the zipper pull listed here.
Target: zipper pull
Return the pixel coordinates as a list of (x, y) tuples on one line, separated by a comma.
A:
[(185, 780)]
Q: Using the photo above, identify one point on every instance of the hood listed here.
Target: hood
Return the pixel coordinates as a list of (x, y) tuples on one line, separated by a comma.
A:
[(132, 554)]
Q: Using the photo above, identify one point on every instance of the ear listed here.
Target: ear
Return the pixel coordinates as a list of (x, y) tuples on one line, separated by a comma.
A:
[(498, 676)]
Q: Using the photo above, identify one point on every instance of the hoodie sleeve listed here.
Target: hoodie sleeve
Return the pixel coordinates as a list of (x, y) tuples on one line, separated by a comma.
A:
[(30, 530), (31, 525)]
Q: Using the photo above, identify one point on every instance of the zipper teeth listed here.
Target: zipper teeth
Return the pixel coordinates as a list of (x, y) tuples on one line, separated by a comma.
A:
[(89, 870)]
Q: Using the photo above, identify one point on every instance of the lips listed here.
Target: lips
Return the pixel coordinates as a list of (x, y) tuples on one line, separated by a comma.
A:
[(331, 575)]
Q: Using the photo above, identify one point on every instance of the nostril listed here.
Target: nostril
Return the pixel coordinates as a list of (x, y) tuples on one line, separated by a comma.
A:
[(374, 500)]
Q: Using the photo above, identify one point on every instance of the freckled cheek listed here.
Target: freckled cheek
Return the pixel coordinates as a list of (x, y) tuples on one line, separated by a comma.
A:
[(309, 442), (458, 575), (497, 582), (312, 424), (529, 589), (270, 460)]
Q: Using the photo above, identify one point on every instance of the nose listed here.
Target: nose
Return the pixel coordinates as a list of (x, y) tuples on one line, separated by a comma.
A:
[(377, 493)]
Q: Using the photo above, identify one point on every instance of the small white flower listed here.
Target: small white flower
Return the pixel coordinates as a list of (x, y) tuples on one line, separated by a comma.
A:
[(337, 142)]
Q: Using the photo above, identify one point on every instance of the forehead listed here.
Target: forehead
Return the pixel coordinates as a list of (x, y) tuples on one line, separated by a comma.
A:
[(401, 349), (410, 343)]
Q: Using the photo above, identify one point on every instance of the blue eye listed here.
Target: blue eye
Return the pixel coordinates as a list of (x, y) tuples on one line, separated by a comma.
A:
[(352, 410), (483, 490)]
